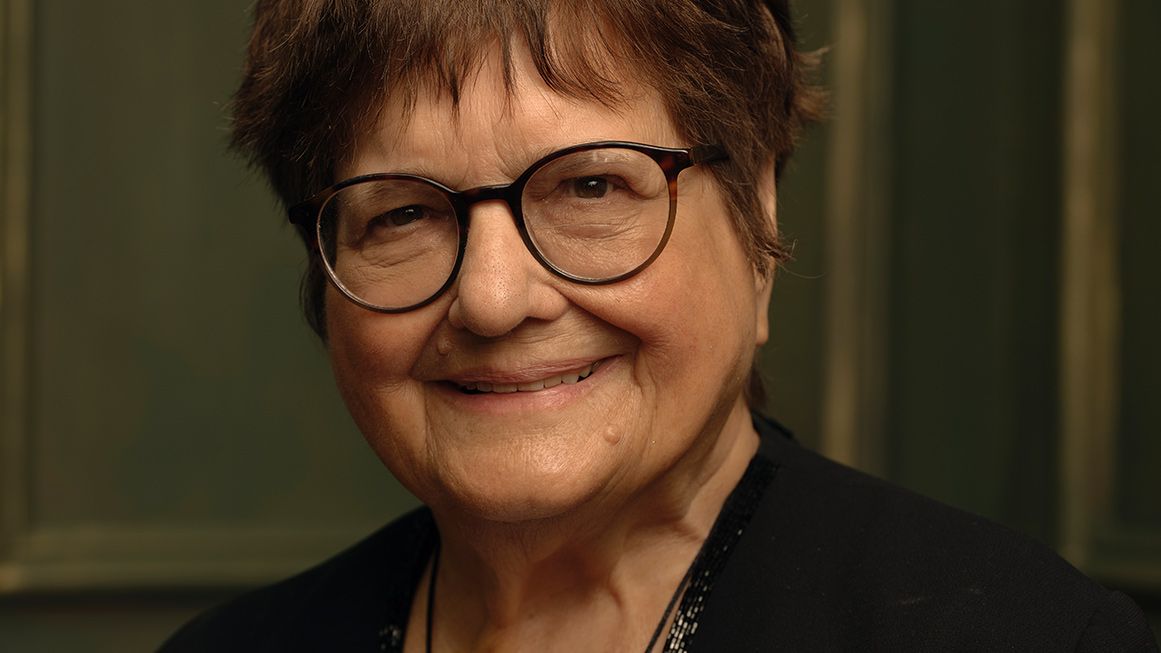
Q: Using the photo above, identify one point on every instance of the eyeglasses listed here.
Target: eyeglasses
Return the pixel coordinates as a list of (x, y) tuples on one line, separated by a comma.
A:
[(594, 214)]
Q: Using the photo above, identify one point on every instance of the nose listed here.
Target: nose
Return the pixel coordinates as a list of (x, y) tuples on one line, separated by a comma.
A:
[(500, 284)]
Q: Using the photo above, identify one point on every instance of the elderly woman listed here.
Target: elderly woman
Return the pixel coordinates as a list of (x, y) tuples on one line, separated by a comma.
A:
[(542, 240)]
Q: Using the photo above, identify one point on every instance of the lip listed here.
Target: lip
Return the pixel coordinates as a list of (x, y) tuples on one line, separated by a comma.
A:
[(523, 375), (567, 378), (518, 400)]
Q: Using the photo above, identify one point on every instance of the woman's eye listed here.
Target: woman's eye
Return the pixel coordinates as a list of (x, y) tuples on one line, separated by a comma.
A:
[(398, 217), (590, 187), (398, 223)]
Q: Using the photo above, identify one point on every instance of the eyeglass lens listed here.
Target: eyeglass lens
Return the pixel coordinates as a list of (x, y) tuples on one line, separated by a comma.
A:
[(593, 215)]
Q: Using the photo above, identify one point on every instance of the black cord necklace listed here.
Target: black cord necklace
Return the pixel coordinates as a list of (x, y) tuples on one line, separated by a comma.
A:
[(672, 602), (702, 572), (431, 595)]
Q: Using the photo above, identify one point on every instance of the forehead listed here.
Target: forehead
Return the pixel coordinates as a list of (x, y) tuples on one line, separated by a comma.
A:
[(503, 117)]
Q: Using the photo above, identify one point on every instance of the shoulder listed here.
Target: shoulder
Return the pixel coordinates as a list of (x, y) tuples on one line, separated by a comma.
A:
[(837, 560), (340, 604)]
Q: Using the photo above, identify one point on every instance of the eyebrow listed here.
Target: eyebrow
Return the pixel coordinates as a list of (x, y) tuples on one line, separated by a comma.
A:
[(422, 169), (413, 169)]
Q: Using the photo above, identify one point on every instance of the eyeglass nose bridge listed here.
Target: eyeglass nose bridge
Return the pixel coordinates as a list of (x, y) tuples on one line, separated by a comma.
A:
[(464, 200), (479, 194), (510, 194)]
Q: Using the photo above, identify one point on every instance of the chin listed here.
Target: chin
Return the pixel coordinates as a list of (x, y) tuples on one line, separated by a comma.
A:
[(538, 488)]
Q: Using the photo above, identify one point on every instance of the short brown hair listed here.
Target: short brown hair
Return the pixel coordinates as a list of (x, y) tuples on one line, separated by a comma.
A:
[(728, 71)]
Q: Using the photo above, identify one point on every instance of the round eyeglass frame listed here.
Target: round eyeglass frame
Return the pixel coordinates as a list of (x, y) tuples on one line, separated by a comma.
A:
[(306, 215)]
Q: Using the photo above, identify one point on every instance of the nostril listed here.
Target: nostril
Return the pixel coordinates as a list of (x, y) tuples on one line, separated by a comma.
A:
[(491, 298), (488, 309)]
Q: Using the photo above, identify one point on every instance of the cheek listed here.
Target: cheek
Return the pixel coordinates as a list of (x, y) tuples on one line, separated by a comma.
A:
[(372, 356), (375, 348), (694, 323)]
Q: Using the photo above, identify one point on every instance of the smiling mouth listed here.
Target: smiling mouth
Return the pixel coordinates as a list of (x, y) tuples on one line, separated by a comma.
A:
[(571, 377)]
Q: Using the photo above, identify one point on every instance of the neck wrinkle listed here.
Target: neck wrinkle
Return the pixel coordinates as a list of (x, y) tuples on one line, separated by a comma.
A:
[(622, 564)]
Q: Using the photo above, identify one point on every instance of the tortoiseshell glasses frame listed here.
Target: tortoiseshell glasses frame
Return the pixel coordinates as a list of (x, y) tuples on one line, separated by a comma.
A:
[(570, 256)]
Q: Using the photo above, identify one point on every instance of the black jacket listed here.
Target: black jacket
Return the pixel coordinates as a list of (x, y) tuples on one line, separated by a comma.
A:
[(832, 560)]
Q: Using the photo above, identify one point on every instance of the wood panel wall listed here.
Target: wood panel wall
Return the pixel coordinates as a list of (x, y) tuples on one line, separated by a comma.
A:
[(971, 313)]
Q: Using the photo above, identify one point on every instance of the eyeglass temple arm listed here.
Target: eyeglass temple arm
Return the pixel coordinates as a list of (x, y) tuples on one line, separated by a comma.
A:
[(707, 154), (302, 214)]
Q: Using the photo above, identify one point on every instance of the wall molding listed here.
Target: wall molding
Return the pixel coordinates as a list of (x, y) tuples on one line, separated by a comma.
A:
[(858, 236), (1090, 290), (15, 192), (98, 558), (1092, 537)]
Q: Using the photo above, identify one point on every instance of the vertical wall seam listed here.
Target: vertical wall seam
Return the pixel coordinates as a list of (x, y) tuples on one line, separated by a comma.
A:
[(15, 188), (858, 236), (1090, 289)]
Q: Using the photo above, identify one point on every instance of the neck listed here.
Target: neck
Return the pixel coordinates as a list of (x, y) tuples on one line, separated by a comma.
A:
[(610, 566)]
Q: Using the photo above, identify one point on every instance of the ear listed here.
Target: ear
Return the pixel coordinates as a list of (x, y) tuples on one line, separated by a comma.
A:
[(764, 283), (762, 311)]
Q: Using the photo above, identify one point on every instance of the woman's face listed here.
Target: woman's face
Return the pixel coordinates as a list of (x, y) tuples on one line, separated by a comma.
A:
[(668, 349)]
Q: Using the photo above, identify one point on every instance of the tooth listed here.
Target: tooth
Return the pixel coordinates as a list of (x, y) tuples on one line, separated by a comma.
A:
[(568, 378)]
